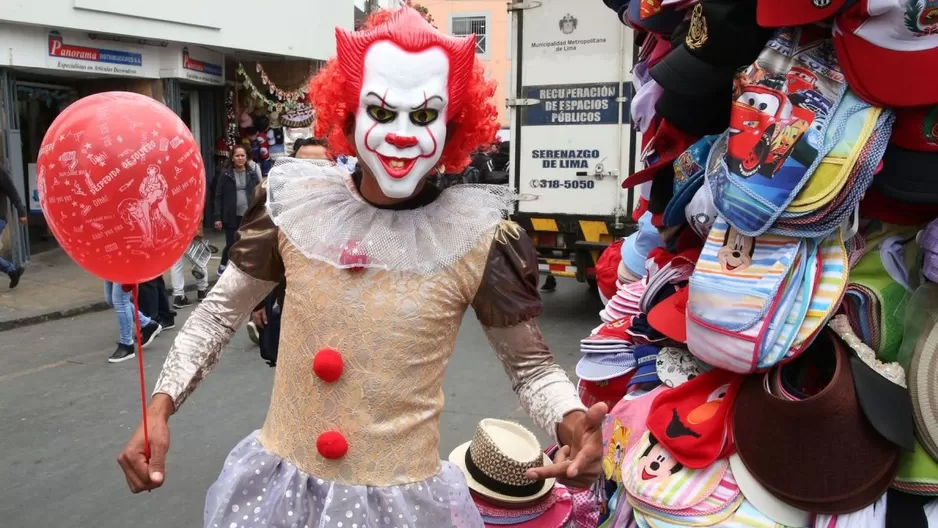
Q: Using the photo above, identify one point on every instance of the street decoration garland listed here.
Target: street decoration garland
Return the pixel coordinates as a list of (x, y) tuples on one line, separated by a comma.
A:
[(282, 100), (285, 95)]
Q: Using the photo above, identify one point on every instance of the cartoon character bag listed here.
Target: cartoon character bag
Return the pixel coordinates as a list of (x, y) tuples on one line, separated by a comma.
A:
[(654, 477), (691, 421), (740, 286), (623, 429), (778, 122), (853, 121)]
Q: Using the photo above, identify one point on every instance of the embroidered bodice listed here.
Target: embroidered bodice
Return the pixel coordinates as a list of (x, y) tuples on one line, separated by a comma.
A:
[(394, 329)]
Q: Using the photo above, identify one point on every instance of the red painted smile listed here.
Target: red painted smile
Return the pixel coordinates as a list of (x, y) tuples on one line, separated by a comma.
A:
[(397, 168)]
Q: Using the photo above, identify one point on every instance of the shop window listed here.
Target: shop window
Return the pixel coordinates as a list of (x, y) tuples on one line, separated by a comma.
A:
[(477, 25)]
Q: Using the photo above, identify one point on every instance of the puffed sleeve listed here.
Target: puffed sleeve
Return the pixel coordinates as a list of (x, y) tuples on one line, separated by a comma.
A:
[(506, 304), (254, 269), (256, 250), (508, 293)]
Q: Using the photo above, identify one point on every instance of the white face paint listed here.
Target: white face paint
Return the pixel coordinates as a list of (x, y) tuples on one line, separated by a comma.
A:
[(400, 126)]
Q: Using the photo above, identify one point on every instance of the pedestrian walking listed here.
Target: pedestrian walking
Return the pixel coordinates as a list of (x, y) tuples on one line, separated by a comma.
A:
[(178, 278), (8, 190), (116, 297), (233, 193), (154, 302)]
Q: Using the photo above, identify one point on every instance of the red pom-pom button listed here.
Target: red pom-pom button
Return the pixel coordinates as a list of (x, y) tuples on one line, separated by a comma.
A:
[(332, 445), (353, 257), (328, 365)]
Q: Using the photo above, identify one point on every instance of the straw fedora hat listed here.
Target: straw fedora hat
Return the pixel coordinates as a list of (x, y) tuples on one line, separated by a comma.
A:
[(496, 459), (923, 386)]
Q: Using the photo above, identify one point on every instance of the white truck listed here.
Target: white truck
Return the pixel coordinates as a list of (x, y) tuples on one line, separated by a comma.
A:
[(571, 139)]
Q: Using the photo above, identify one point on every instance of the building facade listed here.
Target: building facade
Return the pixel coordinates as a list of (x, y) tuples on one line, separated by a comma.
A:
[(209, 61), (490, 21)]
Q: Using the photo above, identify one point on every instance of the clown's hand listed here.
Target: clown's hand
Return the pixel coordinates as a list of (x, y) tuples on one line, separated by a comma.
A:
[(142, 473), (578, 464)]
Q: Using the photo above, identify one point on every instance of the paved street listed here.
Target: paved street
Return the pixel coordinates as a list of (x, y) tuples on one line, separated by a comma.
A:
[(65, 413)]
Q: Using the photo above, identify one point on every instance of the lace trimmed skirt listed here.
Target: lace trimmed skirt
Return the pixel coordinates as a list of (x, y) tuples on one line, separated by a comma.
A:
[(258, 489)]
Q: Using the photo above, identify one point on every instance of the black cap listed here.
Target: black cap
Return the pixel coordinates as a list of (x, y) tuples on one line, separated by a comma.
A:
[(886, 405), (662, 190), (908, 176), (718, 38), (701, 115)]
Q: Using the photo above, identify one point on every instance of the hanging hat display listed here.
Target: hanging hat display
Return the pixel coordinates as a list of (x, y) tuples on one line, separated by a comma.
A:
[(301, 116), (799, 353)]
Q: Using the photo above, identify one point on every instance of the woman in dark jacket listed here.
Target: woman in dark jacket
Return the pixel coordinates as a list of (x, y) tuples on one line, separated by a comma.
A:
[(233, 193)]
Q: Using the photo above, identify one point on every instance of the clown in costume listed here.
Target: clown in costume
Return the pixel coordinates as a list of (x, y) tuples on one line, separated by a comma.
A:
[(380, 268)]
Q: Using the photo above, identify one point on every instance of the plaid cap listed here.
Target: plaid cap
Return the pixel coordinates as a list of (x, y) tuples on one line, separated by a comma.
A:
[(599, 367)]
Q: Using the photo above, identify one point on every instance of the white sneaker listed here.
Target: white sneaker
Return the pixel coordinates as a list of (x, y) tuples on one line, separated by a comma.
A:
[(253, 333)]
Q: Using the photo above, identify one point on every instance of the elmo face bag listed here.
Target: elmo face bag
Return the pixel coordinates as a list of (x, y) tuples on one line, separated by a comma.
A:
[(692, 421)]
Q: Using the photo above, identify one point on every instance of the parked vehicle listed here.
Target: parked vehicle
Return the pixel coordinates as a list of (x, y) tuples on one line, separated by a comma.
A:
[(571, 142)]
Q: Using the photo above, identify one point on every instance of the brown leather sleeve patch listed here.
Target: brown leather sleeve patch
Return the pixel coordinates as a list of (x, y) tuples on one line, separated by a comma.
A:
[(508, 294), (256, 250)]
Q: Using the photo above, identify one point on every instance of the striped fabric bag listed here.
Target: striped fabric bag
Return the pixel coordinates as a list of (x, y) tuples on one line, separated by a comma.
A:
[(824, 286), (660, 517), (743, 291), (828, 293), (743, 516)]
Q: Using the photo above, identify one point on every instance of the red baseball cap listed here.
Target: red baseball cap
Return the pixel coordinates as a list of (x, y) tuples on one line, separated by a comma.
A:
[(917, 128), (607, 269), (887, 49), (608, 391), (640, 210), (878, 206), (667, 144), (670, 316), (783, 13)]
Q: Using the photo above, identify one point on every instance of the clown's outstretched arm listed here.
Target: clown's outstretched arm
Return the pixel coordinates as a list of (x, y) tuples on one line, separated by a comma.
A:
[(255, 268), (506, 304)]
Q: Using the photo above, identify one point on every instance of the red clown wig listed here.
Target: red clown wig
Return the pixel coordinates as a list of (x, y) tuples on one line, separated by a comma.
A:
[(335, 90)]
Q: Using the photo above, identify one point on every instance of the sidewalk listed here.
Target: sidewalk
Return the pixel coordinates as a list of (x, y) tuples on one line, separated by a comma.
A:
[(54, 287)]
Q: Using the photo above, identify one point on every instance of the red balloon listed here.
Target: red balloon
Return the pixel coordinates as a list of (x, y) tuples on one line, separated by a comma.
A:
[(122, 185)]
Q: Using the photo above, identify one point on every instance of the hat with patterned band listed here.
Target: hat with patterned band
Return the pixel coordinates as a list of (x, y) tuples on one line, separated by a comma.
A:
[(496, 460)]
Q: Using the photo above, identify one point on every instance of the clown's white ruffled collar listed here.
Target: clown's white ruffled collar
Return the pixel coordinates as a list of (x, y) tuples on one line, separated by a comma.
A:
[(316, 205)]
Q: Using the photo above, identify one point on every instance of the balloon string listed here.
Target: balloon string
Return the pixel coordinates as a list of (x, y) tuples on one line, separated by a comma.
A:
[(143, 386)]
